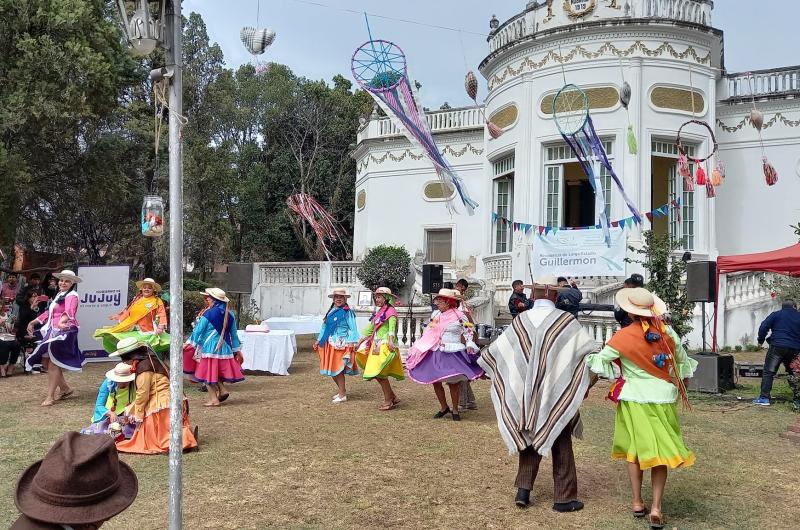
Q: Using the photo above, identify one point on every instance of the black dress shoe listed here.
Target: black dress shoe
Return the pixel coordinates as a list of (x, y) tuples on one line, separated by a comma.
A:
[(572, 506), (523, 498), (442, 413), (456, 416)]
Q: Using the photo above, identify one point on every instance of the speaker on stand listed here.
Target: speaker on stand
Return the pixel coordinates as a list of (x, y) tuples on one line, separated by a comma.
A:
[(432, 278), (701, 286)]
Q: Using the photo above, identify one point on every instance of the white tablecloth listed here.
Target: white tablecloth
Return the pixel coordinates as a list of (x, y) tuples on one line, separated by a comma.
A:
[(301, 325), (268, 352)]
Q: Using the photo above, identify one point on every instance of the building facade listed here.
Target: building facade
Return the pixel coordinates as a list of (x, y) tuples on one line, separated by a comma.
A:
[(672, 56)]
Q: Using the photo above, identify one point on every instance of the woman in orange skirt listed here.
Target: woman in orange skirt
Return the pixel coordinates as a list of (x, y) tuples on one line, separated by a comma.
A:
[(337, 341), (150, 409)]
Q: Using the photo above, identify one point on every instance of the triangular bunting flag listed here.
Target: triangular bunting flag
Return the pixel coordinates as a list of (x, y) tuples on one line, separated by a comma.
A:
[(555, 230), (494, 217), (615, 224), (649, 216), (541, 230)]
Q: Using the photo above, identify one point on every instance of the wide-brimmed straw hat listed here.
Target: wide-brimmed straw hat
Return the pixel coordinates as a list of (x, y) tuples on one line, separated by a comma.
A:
[(217, 294), (80, 481), (639, 301), (545, 282), (121, 373), (67, 274), (127, 345), (339, 291), (151, 281), (451, 294)]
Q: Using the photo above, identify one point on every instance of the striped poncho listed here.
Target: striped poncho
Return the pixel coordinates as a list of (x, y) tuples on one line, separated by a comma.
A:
[(539, 379)]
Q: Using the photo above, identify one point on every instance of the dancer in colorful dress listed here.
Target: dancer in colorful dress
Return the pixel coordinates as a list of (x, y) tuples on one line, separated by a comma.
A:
[(114, 396), (653, 368), (145, 319), (377, 354), (445, 353), (59, 345), (149, 412), (336, 342), (216, 342)]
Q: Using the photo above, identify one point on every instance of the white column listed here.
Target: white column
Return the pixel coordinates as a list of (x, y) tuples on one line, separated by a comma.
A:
[(638, 182)]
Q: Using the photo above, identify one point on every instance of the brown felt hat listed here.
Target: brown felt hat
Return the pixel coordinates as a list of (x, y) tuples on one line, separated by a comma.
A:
[(79, 481)]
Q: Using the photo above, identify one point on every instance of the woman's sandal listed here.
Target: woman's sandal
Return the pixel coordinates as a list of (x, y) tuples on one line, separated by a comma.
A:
[(640, 513), (224, 396), (442, 413), (48, 403), (387, 406), (656, 522), (65, 395)]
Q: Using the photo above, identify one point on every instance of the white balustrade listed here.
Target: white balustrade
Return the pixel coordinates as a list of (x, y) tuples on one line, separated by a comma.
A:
[(600, 325), (761, 83), (511, 31), (344, 273), (299, 273), (438, 121), (498, 269), (696, 11), (745, 288)]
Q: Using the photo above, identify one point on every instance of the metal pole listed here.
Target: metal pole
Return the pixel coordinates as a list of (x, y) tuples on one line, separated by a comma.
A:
[(174, 38)]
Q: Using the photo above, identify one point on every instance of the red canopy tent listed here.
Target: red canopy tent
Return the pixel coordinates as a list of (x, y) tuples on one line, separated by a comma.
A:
[(784, 261)]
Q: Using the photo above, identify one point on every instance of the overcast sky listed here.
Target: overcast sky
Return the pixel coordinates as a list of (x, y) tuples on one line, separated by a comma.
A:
[(317, 42)]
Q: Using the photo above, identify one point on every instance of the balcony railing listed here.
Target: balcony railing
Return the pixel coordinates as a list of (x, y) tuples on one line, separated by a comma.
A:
[(764, 83), (498, 269), (439, 121), (300, 273), (745, 288), (696, 11)]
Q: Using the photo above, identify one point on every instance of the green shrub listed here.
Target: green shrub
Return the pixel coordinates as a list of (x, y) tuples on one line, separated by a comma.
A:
[(727, 349), (385, 266), (738, 348)]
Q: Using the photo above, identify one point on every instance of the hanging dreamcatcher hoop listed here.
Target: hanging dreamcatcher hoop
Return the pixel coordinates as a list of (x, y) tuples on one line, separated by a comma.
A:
[(682, 149), (570, 109), (379, 66), (701, 174)]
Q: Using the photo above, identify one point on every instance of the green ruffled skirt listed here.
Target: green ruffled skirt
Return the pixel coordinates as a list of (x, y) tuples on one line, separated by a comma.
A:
[(159, 342), (649, 434)]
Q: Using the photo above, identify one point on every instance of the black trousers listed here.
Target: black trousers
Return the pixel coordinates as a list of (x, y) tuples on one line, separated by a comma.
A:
[(9, 352), (776, 355), (565, 478)]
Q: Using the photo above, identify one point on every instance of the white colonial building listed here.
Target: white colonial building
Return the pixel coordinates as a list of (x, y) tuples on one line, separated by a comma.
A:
[(673, 57), (666, 50)]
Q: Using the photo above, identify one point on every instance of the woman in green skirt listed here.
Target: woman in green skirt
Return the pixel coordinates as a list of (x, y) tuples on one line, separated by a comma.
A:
[(650, 367)]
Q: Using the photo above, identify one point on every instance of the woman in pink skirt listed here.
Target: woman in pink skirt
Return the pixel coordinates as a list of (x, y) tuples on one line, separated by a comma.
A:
[(215, 342)]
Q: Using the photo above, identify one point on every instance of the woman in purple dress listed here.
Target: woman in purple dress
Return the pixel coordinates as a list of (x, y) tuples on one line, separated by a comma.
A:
[(59, 343), (445, 353)]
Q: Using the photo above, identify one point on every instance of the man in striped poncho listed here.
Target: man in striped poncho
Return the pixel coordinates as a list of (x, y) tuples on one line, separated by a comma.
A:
[(539, 380)]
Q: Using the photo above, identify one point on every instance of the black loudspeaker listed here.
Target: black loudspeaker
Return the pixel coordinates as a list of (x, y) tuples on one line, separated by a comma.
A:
[(240, 278), (701, 281), (432, 278), (714, 373)]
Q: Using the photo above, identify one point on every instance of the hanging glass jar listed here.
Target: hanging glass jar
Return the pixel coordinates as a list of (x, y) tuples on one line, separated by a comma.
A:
[(152, 216)]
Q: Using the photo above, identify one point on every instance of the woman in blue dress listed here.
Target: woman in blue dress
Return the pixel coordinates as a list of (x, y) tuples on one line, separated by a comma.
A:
[(337, 341)]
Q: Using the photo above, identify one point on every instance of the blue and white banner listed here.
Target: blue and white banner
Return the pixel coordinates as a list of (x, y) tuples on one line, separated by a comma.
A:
[(103, 292), (575, 253)]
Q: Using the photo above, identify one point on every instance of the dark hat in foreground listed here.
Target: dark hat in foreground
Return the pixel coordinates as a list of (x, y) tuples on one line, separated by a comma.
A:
[(79, 481)]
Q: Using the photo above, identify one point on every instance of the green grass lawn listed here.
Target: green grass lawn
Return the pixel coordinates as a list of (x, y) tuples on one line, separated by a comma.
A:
[(278, 454)]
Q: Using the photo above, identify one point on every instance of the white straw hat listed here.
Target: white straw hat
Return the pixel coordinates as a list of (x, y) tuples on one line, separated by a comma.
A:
[(67, 274), (639, 301), (452, 294), (217, 293), (151, 281), (339, 291), (121, 373)]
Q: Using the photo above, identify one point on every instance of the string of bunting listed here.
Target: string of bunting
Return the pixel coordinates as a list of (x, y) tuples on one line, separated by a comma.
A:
[(628, 222)]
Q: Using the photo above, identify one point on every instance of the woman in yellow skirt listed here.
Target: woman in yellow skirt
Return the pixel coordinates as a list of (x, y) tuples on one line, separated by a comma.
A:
[(652, 367), (378, 355), (336, 342)]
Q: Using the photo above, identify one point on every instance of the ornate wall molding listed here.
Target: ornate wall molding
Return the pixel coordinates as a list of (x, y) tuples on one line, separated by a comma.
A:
[(777, 118), (408, 153), (608, 48)]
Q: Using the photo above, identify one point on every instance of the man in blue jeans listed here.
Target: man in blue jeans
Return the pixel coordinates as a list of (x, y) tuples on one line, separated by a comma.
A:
[(784, 347)]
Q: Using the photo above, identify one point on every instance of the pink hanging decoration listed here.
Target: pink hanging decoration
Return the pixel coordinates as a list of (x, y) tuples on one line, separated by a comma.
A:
[(718, 175), (700, 177), (323, 224), (710, 191), (683, 166), (494, 131), (769, 172), (471, 86)]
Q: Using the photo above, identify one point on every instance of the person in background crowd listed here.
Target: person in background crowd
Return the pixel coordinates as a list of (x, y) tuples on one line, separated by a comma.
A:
[(8, 292), (539, 381), (50, 286), (620, 315), (336, 342), (467, 396), (32, 285), (9, 346), (216, 348), (569, 297), (29, 310), (59, 338), (518, 302), (653, 368), (79, 485), (378, 354), (445, 353), (783, 328)]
